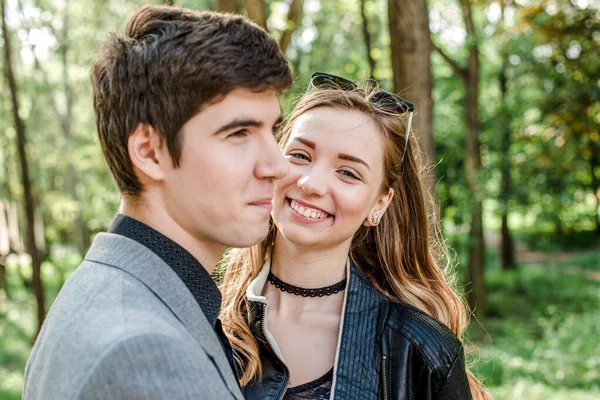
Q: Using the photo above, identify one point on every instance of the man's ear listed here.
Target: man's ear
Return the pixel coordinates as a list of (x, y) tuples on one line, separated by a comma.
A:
[(379, 209), (145, 150)]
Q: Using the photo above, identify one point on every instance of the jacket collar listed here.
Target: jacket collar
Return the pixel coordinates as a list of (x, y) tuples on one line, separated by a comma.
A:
[(138, 261), (254, 290), (195, 277), (358, 357)]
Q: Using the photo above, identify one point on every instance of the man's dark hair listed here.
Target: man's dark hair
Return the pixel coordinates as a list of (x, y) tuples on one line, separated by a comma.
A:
[(168, 65)]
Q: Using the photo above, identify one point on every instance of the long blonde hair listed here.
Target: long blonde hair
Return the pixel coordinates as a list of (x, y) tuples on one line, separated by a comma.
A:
[(403, 257)]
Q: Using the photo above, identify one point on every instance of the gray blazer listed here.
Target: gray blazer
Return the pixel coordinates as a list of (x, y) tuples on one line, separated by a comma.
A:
[(124, 326)]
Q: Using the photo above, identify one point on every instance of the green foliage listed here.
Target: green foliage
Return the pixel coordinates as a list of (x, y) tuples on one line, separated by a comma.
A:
[(548, 240), (540, 340), (17, 321), (543, 321), (16, 330)]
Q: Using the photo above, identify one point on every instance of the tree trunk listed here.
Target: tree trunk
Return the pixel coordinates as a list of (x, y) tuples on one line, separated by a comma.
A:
[(230, 6), (473, 168), (3, 281), (470, 78), (4, 248), (80, 231), (476, 261), (25, 178), (507, 249), (594, 165), (257, 12), (4, 236), (14, 234), (367, 39), (293, 19), (410, 47)]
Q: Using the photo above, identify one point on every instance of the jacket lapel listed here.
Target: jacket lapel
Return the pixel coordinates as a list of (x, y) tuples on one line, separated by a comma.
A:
[(358, 366), (137, 260)]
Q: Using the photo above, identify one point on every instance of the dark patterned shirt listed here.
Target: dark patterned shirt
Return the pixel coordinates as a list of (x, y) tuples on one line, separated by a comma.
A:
[(319, 389)]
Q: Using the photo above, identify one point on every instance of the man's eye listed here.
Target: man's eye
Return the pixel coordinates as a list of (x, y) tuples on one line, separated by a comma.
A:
[(240, 133)]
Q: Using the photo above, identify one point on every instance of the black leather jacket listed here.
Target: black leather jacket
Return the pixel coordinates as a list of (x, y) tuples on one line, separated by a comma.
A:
[(388, 350)]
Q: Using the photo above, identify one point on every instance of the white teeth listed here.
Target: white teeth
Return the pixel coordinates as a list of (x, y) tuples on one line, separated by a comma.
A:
[(306, 211)]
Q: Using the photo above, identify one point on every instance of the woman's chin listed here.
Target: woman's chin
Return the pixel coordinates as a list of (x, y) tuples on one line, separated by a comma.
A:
[(301, 239)]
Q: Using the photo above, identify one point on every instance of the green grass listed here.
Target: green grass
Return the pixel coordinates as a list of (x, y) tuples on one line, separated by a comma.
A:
[(589, 261), (541, 336)]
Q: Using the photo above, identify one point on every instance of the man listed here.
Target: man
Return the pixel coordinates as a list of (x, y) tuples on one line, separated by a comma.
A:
[(186, 106)]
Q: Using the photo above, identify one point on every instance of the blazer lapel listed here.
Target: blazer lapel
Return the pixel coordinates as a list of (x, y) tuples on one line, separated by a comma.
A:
[(137, 260)]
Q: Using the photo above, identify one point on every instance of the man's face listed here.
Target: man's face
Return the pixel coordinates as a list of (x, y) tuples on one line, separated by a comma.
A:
[(222, 191)]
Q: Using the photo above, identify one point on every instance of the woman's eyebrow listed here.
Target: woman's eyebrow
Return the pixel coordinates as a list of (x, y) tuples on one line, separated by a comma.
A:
[(348, 157), (306, 142)]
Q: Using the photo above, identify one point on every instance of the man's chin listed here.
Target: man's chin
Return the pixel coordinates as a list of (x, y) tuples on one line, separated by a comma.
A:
[(250, 238)]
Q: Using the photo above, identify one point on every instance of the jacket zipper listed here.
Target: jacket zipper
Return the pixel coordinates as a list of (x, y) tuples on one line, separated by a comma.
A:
[(385, 391), (287, 377)]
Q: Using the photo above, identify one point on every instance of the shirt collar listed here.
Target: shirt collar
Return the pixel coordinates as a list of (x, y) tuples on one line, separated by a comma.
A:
[(190, 271)]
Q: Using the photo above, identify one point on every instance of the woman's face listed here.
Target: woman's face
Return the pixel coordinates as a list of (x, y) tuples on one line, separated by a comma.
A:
[(337, 169)]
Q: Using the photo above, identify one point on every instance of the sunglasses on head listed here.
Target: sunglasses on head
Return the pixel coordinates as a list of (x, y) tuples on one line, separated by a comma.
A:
[(381, 99)]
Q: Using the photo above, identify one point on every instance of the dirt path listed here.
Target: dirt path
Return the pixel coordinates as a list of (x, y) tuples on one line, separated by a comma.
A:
[(525, 255)]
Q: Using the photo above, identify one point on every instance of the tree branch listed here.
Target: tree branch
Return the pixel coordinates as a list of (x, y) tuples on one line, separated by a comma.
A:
[(257, 12), (38, 66), (467, 17), (458, 70), (229, 6), (367, 38), (293, 19)]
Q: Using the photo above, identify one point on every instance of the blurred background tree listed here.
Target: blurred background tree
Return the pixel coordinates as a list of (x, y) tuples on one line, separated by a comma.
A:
[(508, 111)]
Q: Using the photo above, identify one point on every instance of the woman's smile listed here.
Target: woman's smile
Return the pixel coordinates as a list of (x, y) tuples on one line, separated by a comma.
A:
[(307, 213)]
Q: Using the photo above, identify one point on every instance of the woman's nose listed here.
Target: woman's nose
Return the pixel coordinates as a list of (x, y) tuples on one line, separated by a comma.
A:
[(312, 183)]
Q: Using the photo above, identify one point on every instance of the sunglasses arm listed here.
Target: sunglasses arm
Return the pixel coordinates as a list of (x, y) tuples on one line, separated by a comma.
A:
[(408, 124)]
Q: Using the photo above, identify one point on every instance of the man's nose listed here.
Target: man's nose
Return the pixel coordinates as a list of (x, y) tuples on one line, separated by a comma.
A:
[(272, 164)]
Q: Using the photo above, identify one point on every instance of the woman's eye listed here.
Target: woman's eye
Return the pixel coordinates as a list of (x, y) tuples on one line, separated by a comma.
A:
[(238, 134), (299, 156), (349, 174)]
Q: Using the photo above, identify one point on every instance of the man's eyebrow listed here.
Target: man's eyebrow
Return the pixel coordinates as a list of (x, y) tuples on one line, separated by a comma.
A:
[(348, 157), (239, 123), (306, 142)]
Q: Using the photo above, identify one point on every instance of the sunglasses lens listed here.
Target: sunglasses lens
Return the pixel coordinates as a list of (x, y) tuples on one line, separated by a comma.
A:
[(388, 101), (384, 100), (332, 82)]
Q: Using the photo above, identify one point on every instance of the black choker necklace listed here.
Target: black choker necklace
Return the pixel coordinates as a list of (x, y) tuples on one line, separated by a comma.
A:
[(298, 291)]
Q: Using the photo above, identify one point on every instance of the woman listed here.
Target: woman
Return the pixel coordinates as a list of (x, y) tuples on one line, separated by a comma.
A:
[(347, 297)]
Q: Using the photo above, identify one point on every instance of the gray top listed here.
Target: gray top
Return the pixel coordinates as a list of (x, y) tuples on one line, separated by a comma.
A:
[(195, 277), (125, 326)]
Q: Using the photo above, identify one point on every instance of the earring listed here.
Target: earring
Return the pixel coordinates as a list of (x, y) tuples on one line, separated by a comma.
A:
[(375, 218)]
